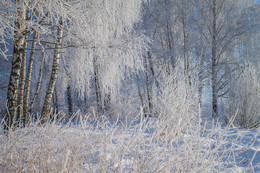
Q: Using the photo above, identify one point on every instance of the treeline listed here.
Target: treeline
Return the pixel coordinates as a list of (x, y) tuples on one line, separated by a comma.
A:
[(122, 57)]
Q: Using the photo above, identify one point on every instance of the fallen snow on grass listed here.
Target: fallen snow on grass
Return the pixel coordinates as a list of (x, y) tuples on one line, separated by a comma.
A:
[(143, 145)]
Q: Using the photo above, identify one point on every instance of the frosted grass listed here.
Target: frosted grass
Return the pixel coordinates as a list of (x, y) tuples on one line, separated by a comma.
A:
[(139, 145)]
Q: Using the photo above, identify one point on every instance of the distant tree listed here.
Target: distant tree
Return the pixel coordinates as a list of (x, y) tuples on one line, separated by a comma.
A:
[(221, 29), (108, 53)]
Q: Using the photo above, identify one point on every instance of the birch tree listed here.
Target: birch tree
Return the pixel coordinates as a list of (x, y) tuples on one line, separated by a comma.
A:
[(54, 74), (36, 12), (109, 52), (243, 109), (19, 41), (219, 24)]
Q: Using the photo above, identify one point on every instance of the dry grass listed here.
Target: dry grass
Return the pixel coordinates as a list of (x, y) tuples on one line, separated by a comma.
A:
[(143, 145)]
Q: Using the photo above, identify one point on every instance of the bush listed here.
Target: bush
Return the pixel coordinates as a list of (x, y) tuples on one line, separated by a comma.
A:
[(243, 107)]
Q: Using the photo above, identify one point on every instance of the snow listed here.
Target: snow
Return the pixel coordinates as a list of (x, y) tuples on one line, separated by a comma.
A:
[(140, 145)]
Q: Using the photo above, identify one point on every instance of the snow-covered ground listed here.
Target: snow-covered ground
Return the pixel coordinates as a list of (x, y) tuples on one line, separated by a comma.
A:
[(247, 145), (142, 145)]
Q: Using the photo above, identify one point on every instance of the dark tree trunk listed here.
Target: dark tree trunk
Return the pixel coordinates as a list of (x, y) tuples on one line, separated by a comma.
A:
[(55, 102), (201, 72), (98, 88), (142, 102), (70, 101), (148, 86), (185, 50), (214, 63), (107, 101)]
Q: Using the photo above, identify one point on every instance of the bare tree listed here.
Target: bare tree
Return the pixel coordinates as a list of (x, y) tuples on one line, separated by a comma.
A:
[(219, 24)]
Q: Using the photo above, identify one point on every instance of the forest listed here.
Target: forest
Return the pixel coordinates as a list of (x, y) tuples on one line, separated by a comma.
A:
[(129, 85)]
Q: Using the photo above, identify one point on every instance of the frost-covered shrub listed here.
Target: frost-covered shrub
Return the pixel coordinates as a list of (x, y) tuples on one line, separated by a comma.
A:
[(243, 108), (177, 103)]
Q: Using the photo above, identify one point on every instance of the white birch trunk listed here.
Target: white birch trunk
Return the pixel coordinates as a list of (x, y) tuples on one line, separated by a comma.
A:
[(28, 79), (54, 74), (12, 94)]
